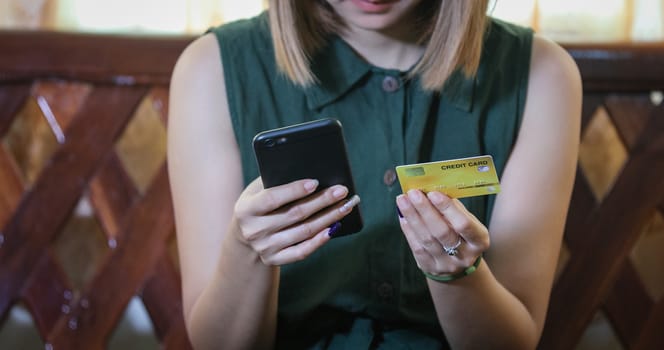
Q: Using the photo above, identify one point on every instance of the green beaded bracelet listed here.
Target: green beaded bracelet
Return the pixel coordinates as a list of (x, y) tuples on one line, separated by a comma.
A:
[(449, 278)]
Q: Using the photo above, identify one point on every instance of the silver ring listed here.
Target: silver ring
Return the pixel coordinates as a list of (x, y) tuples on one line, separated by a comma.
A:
[(452, 251)]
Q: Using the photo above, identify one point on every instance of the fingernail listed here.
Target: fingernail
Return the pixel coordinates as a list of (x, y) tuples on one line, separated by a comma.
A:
[(334, 228), (415, 196), (435, 197), (399, 213), (353, 201), (311, 185), (340, 192)]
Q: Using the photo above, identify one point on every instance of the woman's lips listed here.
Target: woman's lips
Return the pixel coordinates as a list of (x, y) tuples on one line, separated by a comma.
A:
[(374, 6)]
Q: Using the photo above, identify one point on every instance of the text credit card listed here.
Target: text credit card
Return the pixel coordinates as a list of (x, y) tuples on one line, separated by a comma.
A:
[(457, 178)]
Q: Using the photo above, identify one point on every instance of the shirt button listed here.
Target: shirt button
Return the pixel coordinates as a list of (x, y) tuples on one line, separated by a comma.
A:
[(385, 290), (390, 84), (389, 177)]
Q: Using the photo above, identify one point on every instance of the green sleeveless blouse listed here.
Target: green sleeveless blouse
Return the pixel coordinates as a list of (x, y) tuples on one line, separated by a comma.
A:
[(365, 290)]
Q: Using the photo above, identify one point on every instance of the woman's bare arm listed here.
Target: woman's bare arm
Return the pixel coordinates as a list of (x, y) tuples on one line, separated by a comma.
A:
[(206, 180), (231, 240), (503, 304)]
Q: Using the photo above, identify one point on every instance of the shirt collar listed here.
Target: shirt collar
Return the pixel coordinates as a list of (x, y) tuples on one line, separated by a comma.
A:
[(338, 68)]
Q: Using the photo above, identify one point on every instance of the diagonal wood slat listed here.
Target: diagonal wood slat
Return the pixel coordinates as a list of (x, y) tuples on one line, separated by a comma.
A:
[(12, 97), (11, 187), (652, 336), (581, 206), (177, 340), (47, 293), (62, 181), (63, 100), (613, 229), (112, 194), (628, 304), (629, 113), (159, 291), (147, 226), (590, 104)]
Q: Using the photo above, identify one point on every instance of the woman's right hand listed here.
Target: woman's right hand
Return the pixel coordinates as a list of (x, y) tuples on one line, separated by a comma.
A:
[(287, 223)]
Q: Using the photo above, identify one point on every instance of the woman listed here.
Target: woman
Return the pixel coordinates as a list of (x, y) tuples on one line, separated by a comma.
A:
[(411, 81)]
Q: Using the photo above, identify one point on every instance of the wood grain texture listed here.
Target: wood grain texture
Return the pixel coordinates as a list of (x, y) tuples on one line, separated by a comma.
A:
[(109, 59), (620, 67), (12, 97), (146, 230), (159, 292), (47, 293), (62, 182), (11, 187), (112, 194), (652, 336), (628, 305), (610, 232), (630, 115)]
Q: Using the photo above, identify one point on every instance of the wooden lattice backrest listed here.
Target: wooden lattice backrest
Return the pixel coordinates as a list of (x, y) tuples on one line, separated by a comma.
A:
[(612, 264), (91, 89), (86, 221)]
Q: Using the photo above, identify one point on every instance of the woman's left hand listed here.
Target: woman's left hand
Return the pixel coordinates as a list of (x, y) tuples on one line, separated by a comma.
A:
[(444, 236)]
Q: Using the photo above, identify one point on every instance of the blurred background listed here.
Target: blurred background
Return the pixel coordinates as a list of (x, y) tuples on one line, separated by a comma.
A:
[(562, 20), (85, 241)]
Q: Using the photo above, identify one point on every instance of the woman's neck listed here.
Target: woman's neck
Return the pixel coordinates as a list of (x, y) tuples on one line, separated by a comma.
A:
[(385, 49)]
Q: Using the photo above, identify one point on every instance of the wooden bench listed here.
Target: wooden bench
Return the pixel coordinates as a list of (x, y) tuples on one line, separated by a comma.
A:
[(100, 96)]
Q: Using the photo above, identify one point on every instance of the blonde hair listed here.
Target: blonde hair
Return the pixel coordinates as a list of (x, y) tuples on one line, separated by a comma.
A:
[(453, 31)]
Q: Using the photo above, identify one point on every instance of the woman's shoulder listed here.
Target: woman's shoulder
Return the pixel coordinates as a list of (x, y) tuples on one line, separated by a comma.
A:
[(250, 33), (504, 29), (552, 66), (507, 39), (227, 54), (509, 44), (244, 37)]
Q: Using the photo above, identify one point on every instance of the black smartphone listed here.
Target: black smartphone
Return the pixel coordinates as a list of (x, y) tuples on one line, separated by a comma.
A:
[(311, 150)]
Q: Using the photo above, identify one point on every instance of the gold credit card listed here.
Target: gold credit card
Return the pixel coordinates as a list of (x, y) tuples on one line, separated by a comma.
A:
[(457, 178)]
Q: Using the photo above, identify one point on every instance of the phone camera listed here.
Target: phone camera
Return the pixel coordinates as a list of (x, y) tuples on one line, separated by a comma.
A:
[(269, 142)]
